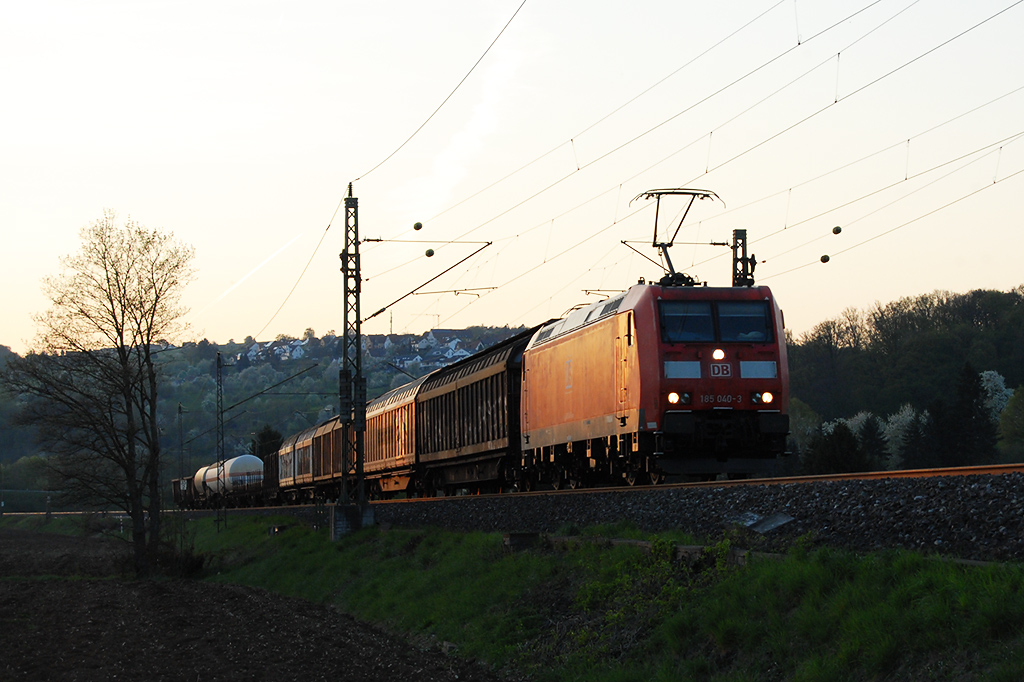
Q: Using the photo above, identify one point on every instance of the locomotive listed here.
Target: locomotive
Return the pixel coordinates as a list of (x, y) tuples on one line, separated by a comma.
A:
[(664, 380), (660, 381)]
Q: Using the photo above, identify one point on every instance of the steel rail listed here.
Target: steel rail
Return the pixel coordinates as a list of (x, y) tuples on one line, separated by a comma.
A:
[(986, 470)]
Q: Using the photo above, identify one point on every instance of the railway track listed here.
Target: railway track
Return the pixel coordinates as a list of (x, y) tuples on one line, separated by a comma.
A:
[(986, 470), (989, 470), (965, 513)]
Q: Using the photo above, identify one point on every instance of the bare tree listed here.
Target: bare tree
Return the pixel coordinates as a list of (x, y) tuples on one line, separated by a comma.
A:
[(90, 381)]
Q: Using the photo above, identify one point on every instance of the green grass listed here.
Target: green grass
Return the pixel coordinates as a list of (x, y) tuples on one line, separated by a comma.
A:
[(63, 524), (597, 612), (834, 615)]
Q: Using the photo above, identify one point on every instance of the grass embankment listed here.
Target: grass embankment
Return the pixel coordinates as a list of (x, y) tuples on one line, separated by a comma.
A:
[(594, 611), (63, 524)]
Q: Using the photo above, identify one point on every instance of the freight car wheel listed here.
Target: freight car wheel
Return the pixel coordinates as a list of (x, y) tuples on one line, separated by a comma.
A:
[(508, 480), (430, 486)]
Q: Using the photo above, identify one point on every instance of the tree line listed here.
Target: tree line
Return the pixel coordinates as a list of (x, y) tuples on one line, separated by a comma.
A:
[(920, 382)]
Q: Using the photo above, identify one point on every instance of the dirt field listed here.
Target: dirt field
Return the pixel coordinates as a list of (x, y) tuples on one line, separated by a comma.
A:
[(57, 627)]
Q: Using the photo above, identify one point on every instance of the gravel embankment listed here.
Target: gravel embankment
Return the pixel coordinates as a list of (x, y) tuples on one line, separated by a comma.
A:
[(964, 517)]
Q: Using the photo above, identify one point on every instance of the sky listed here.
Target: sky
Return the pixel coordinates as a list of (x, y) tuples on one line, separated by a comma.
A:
[(238, 126)]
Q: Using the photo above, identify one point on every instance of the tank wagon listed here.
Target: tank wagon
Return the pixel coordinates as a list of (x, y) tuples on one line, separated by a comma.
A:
[(240, 478)]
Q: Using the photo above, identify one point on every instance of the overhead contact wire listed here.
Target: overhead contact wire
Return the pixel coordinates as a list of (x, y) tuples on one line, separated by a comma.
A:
[(422, 125), (670, 119), (902, 225), (385, 160), (303, 273)]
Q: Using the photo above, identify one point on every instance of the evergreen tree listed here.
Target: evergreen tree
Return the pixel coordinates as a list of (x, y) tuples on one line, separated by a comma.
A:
[(836, 452), (872, 442), (968, 435), (960, 432), (918, 448), (267, 441), (1011, 427)]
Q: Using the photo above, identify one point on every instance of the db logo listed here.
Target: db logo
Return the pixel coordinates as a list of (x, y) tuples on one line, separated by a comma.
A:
[(721, 370)]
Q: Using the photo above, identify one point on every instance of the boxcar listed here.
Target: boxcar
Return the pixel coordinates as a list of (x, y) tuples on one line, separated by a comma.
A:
[(390, 445), (467, 420)]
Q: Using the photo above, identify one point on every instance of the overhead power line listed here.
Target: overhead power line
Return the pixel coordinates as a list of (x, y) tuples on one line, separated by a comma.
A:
[(902, 225), (422, 125), (340, 201), (759, 144)]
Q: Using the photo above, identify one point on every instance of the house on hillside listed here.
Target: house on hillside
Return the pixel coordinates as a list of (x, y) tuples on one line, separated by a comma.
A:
[(296, 349), (400, 342), (404, 361), (375, 344), (440, 337)]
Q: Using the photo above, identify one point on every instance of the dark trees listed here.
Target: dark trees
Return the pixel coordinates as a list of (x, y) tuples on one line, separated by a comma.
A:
[(1011, 426), (909, 350), (959, 431), (266, 442), (837, 452)]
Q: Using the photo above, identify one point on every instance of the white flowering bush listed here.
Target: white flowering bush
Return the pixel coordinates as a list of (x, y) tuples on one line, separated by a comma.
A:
[(997, 395)]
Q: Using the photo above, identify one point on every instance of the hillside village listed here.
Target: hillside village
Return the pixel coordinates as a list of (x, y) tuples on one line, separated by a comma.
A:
[(431, 350)]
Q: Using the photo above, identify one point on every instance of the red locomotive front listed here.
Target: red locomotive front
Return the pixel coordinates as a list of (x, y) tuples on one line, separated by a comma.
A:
[(720, 389)]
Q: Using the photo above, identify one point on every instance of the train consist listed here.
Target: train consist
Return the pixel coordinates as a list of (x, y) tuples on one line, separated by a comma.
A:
[(664, 380), (659, 381)]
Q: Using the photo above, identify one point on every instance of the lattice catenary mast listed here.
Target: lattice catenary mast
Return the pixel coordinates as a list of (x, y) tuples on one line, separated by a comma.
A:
[(351, 382)]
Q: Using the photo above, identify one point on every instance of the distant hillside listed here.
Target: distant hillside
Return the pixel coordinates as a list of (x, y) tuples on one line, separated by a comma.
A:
[(189, 380)]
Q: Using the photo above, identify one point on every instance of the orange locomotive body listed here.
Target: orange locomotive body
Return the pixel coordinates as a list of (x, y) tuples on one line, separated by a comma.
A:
[(660, 380)]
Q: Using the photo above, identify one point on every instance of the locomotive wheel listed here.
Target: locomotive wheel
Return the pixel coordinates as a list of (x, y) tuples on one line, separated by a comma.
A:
[(656, 478), (634, 476)]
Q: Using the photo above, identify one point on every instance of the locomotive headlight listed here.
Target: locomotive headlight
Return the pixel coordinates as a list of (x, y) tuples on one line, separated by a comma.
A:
[(763, 398), (718, 354), (684, 398)]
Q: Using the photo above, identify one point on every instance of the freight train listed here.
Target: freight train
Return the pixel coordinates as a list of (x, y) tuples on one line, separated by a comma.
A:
[(664, 380), (660, 381)]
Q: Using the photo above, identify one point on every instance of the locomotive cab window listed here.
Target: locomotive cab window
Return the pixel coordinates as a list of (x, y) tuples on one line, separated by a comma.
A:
[(707, 321), (744, 321), (686, 321)]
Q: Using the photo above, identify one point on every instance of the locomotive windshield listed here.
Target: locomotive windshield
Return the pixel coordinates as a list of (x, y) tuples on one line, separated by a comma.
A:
[(710, 321), (687, 321)]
